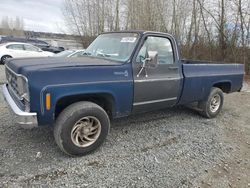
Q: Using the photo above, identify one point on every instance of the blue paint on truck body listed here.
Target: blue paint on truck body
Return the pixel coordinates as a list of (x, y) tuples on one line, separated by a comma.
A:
[(200, 78), (96, 76), (115, 80)]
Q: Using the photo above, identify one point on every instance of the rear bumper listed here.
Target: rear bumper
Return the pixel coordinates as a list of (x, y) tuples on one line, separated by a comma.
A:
[(24, 119)]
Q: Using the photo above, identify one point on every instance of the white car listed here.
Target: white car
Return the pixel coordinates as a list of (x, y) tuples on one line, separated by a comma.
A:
[(20, 50), (70, 53)]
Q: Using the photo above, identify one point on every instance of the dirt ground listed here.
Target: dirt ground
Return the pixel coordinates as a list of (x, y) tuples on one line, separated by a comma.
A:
[(234, 171)]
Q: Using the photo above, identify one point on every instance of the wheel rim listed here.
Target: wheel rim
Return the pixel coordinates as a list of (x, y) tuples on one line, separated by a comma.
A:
[(86, 131), (215, 103)]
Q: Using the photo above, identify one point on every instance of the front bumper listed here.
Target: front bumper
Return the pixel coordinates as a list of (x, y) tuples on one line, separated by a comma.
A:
[(24, 119)]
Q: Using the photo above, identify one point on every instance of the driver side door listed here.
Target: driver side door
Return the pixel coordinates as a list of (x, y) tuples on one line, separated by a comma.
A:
[(156, 87)]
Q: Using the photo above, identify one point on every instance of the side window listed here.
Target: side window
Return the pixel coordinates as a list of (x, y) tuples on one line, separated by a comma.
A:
[(15, 47), (30, 48), (161, 45)]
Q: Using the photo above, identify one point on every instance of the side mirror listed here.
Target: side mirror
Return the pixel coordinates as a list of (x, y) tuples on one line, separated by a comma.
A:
[(152, 59)]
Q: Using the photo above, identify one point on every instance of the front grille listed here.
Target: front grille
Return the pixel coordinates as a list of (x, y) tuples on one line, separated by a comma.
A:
[(12, 81)]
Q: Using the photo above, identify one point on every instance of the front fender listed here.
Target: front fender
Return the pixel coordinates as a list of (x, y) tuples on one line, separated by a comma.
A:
[(121, 91)]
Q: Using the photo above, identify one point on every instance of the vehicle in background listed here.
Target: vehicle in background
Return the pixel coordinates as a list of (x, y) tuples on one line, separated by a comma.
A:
[(38, 43), (71, 53), (45, 46), (19, 50)]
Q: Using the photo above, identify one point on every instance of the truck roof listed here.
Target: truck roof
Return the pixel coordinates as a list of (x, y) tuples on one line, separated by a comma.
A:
[(138, 31)]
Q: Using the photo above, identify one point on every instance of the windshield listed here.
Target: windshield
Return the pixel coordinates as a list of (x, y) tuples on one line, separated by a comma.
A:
[(65, 53), (114, 46)]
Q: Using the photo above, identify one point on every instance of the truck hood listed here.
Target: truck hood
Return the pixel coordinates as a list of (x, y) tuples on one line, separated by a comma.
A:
[(31, 64)]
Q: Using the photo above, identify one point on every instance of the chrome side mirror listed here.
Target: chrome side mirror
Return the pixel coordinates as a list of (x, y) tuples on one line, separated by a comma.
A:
[(152, 59)]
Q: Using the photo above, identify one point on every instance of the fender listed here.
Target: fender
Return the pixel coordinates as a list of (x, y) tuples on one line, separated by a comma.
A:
[(118, 89)]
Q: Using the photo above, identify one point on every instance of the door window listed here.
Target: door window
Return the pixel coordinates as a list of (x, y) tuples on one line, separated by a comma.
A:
[(159, 44), (15, 47)]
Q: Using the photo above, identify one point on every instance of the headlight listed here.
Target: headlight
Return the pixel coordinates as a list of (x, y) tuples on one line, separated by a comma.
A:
[(23, 90)]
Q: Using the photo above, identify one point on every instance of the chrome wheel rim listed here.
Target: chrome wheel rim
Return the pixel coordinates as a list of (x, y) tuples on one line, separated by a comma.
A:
[(215, 103), (86, 131)]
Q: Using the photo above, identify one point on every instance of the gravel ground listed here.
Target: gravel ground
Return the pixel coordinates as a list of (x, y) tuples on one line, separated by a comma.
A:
[(169, 148), (2, 74)]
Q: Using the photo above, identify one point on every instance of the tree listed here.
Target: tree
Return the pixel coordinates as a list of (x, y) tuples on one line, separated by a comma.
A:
[(11, 26), (210, 30)]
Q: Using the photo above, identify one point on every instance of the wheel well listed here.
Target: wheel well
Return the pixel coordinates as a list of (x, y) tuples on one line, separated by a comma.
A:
[(224, 86), (6, 55), (106, 101)]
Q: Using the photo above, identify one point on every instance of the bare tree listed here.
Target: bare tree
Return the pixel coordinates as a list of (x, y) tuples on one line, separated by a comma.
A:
[(10, 26), (242, 23), (213, 30)]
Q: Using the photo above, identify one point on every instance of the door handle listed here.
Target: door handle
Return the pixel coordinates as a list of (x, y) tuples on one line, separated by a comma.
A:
[(173, 68)]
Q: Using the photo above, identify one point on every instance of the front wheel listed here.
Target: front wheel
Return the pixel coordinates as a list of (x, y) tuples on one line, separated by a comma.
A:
[(213, 105), (81, 128), (4, 59)]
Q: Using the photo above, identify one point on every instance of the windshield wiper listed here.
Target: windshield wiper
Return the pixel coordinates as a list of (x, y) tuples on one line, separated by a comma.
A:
[(102, 54), (87, 53)]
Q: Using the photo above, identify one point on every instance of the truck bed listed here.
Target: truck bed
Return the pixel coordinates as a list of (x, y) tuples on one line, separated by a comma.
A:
[(199, 76)]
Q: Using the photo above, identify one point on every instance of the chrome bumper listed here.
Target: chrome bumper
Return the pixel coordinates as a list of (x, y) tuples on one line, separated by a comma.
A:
[(24, 119)]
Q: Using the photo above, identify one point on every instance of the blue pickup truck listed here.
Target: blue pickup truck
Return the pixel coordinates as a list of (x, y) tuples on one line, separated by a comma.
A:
[(122, 73)]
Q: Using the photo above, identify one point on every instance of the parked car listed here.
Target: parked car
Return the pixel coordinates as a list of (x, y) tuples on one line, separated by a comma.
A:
[(45, 46), (71, 53), (17, 50), (123, 73), (38, 43)]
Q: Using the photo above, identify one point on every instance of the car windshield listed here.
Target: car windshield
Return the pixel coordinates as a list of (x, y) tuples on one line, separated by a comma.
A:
[(113, 46), (64, 53)]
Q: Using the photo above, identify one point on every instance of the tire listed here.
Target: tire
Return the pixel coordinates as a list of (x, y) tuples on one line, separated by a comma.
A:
[(213, 105), (81, 128), (4, 58)]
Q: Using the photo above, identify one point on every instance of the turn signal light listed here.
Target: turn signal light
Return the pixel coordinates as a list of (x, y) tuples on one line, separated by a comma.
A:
[(48, 101)]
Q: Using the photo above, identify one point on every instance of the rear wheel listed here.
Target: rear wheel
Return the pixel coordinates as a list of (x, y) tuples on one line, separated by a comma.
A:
[(4, 58), (213, 105), (81, 128)]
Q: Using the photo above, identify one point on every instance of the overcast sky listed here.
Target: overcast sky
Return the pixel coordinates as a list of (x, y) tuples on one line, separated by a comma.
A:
[(42, 15)]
